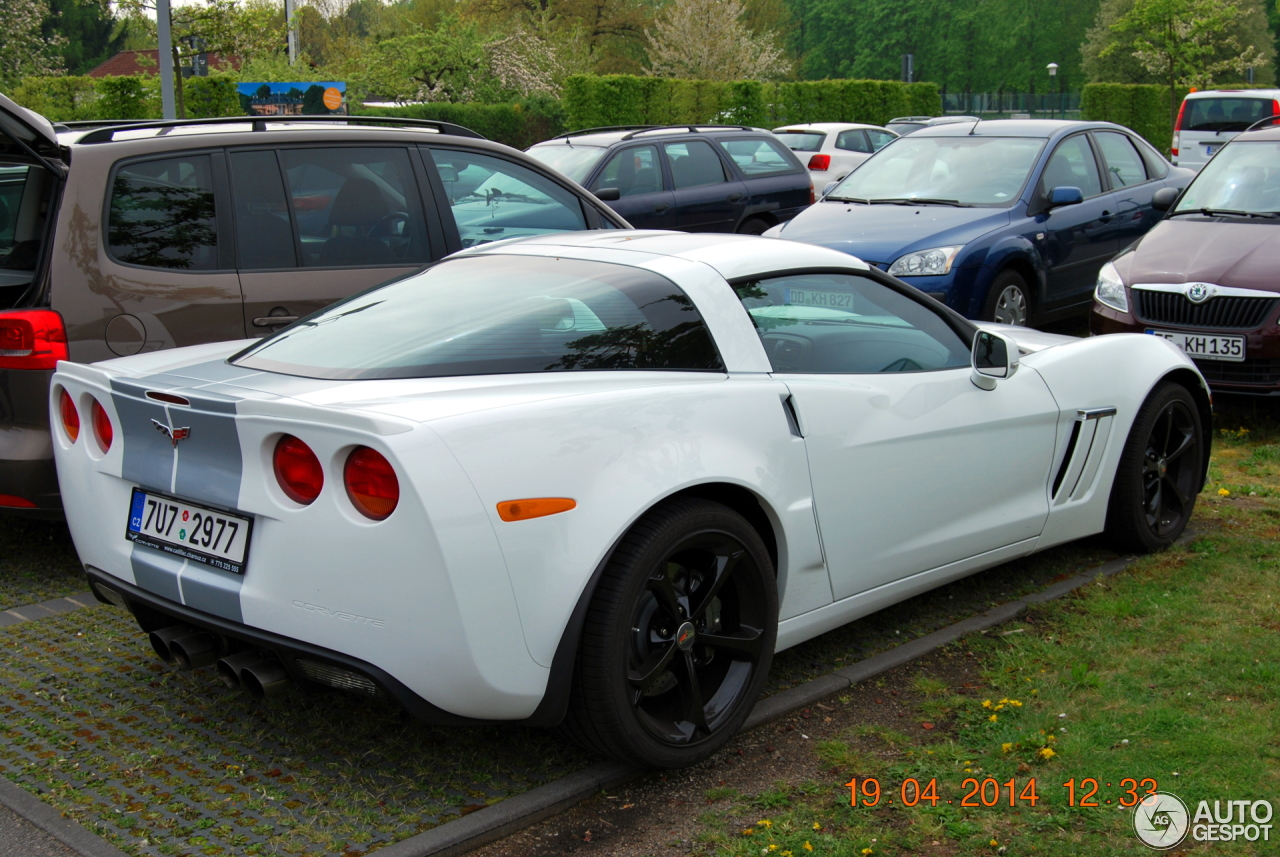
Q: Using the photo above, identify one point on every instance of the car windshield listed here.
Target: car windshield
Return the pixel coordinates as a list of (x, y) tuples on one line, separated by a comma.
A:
[(1244, 176), (573, 161), (494, 315), (960, 170), (1224, 114), (801, 141)]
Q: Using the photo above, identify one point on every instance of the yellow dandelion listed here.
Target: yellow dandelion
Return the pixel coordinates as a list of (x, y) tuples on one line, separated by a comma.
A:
[(1006, 747), (1047, 753), (773, 847), (968, 770), (1053, 737), (986, 703), (807, 846), (817, 826), (787, 854), (1015, 703), (748, 831), (1223, 492), (993, 718), (764, 822), (868, 851), (993, 843)]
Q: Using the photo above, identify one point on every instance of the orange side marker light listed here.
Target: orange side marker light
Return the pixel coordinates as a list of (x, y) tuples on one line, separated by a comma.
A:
[(535, 507)]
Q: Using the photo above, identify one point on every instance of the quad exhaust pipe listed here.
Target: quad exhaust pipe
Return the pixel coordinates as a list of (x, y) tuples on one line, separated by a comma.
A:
[(191, 648)]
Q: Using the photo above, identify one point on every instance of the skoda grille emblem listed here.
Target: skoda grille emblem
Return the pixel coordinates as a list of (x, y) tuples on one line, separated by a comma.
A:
[(174, 434), (1198, 293)]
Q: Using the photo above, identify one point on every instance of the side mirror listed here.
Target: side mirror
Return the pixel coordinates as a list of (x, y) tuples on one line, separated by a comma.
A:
[(830, 186), (1163, 199), (448, 173), (994, 356), (608, 194), (1065, 196)]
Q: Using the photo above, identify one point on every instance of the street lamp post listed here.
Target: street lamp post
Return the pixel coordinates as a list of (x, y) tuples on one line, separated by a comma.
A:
[(1053, 77)]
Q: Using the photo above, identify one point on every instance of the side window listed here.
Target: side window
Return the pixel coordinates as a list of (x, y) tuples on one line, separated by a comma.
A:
[(880, 139), (355, 206), (13, 181), (633, 171), (694, 164), (1123, 163), (756, 157), (854, 140), (161, 214), (264, 238), (847, 324), (1072, 165), (492, 198)]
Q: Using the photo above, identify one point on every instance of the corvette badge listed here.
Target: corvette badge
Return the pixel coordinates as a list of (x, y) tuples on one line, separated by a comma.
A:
[(174, 434)]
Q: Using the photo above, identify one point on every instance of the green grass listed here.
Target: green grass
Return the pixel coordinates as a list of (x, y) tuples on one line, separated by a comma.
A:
[(37, 562), (1167, 671)]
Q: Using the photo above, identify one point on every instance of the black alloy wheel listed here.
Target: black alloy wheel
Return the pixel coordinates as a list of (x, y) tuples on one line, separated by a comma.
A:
[(1160, 472), (679, 639)]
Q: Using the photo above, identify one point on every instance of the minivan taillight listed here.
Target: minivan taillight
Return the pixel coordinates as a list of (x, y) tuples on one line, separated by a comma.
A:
[(297, 470), (70, 416), (102, 426), (812, 196), (820, 162), (32, 339), (371, 483)]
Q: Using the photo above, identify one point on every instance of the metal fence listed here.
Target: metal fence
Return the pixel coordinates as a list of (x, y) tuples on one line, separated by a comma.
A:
[(991, 105)]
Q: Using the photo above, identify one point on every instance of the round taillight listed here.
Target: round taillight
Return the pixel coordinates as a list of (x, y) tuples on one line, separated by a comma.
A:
[(70, 416), (371, 483), (102, 426), (297, 470)]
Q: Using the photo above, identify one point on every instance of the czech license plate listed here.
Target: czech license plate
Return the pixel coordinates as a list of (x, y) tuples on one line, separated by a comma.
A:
[(1210, 150), (1206, 347), (189, 530), (809, 297)]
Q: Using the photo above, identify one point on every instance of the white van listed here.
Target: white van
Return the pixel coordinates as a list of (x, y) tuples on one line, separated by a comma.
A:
[(1208, 119)]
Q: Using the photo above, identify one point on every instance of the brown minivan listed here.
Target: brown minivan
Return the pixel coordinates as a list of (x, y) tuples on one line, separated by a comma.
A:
[(117, 239), (1207, 277)]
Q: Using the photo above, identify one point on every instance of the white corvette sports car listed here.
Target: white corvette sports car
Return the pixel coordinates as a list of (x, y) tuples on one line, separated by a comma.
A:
[(597, 479)]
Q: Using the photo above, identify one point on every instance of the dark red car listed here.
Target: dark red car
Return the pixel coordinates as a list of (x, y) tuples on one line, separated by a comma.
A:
[(1207, 277)]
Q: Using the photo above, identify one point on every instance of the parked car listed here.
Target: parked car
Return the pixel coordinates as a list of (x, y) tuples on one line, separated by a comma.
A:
[(1007, 220), (1205, 277), (904, 125), (127, 238), (704, 178), (1209, 118), (598, 480), (833, 149)]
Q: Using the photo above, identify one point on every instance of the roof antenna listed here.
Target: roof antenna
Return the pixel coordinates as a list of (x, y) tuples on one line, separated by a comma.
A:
[(975, 126)]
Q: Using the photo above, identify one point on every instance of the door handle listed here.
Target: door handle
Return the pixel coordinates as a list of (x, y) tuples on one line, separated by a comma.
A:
[(734, 197), (1106, 217), (274, 320), (661, 207)]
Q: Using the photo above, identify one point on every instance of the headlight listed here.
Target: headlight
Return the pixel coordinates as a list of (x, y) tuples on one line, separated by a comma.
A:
[(1110, 290), (925, 263)]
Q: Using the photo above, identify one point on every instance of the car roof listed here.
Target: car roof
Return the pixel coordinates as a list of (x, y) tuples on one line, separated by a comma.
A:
[(96, 133), (824, 126), (1044, 128), (1233, 93), (604, 137), (1269, 133)]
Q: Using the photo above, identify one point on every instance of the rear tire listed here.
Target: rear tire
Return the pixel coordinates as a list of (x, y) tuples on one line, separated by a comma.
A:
[(1008, 300), (678, 638), (753, 226), (1159, 474)]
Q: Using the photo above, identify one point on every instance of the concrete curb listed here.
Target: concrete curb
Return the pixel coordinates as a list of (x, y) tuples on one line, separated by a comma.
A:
[(76, 837), (45, 609), (516, 813)]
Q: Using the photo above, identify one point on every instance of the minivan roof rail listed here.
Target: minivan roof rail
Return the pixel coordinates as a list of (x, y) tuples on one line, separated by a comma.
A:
[(1263, 121), (106, 131), (689, 129), (604, 129)]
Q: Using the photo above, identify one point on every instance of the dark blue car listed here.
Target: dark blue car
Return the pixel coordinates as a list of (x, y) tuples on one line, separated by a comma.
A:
[(1005, 220), (705, 178)]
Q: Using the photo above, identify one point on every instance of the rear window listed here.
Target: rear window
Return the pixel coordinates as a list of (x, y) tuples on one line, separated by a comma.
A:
[(1225, 114), (23, 198), (494, 315), (162, 214), (801, 141), (756, 157), (576, 162)]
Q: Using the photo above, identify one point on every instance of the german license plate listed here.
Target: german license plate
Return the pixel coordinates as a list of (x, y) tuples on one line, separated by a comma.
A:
[(810, 297), (1229, 348), (1211, 150), (210, 536)]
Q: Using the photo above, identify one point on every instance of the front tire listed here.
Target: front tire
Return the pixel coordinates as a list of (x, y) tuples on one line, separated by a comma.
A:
[(1008, 300), (1159, 474), (678, 639), (753, 226)]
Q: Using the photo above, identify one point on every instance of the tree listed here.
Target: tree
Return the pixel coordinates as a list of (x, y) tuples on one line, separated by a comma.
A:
[(89, 29), (25, 51), (706, 39), (1185, 43)]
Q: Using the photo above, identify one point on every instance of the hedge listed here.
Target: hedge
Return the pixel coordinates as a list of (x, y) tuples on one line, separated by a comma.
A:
[(1141, 107), (602, 100), (67, 99), (518, 125)]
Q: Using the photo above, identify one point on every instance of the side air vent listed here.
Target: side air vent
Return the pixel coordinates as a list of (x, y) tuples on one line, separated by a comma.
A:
[(1085, 448)]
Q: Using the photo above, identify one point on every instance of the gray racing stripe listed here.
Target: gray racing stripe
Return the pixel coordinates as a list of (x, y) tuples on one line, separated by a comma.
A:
[(212, 591), (210, 463), (148, 455), (157, 572)]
